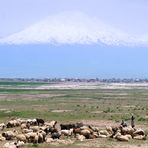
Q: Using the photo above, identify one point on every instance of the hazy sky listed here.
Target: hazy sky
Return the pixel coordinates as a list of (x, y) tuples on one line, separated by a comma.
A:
[(73, 38), (129, 15)]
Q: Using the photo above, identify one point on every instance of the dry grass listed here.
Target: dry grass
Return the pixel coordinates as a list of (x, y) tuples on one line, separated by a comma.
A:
[(100, 105)]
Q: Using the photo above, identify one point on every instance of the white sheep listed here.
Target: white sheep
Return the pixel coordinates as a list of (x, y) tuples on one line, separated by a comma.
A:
[(127, 130), (27, 131), (103, 132), (67, 132), (32, 121), (51, 124), (80, 137), (35, 128), (140, 137), (34, 137), (2, 126), (109, 129), (102, 136), (43, 134), (20, 144), (24, 125), (138, 132), (40, 138), (21, 137), (2, 138), (122, 138), (49, 140), (9, 135), (10, 145), (30, 136)]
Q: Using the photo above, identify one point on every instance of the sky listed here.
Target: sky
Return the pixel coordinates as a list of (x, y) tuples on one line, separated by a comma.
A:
[(73, 38)]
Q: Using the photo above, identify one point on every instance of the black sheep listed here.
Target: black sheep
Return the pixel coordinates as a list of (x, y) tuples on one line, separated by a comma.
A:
[(55, 135), (40, 121)]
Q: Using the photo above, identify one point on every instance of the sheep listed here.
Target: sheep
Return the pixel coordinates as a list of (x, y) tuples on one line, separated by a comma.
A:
[(67, 126), (123, 123), (32, 121), (43, 128), (22, 121), (103, 132), (109, 129), (92, 136), (118, 133), (80, 137), (138, 132), (51, 130), (13, 123), (25, 126), (51, 124), (2, 138), (40, 138), (122, 138), (9, 135), (38, 131), (34, 128), (102, 136), (43, 134), (140, 137), (49, 140), (85, 133), (36, 138), (7, 145), (114, 131), (86, 128), (55, 135), (10, 145), (21, 137), (32, 137), (78, 125), (40, 121), (76, 131), (95, 129), (27, 131), (20, 144), (127, 130), (96, 134), (67, 132), (2, 126), (129, 136)]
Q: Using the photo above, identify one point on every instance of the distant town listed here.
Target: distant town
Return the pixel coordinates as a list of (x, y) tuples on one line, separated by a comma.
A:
[(56, 80)]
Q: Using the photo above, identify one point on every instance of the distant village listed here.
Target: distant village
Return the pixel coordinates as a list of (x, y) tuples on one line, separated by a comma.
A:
[(56, 80)]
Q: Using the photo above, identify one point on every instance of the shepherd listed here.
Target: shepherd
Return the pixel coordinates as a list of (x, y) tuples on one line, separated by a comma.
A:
[(132, 121)]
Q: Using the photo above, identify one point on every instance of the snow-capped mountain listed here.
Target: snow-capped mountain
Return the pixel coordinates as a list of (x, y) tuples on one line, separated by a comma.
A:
[(72, 28)]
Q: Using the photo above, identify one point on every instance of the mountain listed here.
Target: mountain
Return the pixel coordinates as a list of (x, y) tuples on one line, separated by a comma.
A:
[(71, 28)]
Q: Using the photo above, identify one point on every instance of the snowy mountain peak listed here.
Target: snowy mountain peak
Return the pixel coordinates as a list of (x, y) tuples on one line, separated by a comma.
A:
[(71, 28)]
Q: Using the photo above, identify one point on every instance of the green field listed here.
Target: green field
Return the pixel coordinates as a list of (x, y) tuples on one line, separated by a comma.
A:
[(72, 105)]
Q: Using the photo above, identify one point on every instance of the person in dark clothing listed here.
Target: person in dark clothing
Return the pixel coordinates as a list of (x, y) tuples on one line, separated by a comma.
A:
[(132, 121)]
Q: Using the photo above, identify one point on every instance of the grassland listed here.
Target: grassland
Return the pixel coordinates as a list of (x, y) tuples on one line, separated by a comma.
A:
[(98, 106)]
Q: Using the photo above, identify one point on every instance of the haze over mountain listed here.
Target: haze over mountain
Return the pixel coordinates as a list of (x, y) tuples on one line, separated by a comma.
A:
[(73, 38), (70, 28)]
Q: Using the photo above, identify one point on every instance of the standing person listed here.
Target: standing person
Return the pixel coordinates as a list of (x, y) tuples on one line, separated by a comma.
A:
[(132, 121)]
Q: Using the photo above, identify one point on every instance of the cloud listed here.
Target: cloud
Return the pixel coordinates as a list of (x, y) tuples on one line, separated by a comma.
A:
[(73, 28)]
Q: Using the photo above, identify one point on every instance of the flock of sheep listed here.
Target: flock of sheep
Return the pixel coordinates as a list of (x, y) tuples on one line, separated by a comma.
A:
[(18, 132)]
